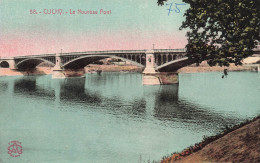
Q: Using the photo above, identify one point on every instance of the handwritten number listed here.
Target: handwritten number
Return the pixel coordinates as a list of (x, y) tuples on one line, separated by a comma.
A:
[(176, 5), (170, 9), (177, 9)]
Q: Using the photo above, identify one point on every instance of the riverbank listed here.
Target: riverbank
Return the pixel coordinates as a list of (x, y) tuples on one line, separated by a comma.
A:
[(37, 71), (206, 68), (126, 68), (238, 144), (113, 68), (188, 69)]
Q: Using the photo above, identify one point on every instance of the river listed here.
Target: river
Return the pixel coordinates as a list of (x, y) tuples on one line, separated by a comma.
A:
[(112, 117)]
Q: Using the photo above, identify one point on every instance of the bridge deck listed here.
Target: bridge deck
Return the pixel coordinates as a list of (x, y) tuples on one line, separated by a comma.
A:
[(99, 53)]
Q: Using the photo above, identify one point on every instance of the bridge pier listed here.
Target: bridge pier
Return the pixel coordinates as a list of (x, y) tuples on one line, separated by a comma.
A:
[(162, 78), (12, 64), (57, 71), (151, 77), (149, 72), (150, 63)]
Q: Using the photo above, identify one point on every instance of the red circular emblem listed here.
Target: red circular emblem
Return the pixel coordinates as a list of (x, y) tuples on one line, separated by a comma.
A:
[(15, 148)]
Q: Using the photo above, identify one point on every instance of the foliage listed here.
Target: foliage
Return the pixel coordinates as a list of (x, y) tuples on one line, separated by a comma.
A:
[(221, 31)]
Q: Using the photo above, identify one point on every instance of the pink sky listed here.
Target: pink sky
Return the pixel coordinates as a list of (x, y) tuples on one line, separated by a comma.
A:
[(128, 27), (20, 44)]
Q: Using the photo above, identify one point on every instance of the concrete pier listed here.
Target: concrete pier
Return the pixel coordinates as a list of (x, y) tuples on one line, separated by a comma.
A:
[(150, 63), (151, 80), (151, 77), (58, 72), (162, 78), (168, 77)]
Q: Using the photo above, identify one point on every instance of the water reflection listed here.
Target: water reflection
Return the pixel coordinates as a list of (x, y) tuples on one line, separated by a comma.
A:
[(104, 92), (73, 90), (170, 107), (25, 84), (28, 87), (4, 86), (115, 113)]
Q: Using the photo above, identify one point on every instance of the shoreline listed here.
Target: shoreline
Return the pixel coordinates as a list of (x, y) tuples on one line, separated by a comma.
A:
[(209, 149), (198, 69), (126, 68)]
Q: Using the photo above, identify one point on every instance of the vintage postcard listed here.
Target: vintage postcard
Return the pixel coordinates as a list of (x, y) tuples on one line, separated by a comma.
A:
[(109, 81)]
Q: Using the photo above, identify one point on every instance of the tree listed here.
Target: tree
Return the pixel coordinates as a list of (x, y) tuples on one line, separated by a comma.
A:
[(221, 31)]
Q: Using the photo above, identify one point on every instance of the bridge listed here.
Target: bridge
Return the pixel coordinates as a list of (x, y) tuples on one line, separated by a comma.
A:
[(153, 61)]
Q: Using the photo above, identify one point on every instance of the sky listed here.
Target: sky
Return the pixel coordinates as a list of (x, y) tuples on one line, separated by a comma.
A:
[(132, 25)]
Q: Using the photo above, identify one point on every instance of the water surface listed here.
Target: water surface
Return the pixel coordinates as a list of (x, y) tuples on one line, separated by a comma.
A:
[(112, 117)]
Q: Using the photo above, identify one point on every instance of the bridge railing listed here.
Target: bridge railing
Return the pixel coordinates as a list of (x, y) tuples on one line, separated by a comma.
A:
[(169, 50), (34, 56), (105, 52), (101, 52)]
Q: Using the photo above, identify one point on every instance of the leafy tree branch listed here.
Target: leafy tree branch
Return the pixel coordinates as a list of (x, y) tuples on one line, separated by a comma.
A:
[(221, 31)]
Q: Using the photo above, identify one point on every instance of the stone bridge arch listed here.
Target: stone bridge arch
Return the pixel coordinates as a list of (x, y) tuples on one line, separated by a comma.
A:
[(31, 63), (81, 62), (4, 64)]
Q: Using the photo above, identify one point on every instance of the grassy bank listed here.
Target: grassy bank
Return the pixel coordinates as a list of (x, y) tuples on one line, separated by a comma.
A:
[(241, 143)]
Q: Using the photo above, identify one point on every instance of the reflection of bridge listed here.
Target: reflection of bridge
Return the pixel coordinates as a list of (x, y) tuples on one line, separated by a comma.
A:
[(146, 102), (153, 61)]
